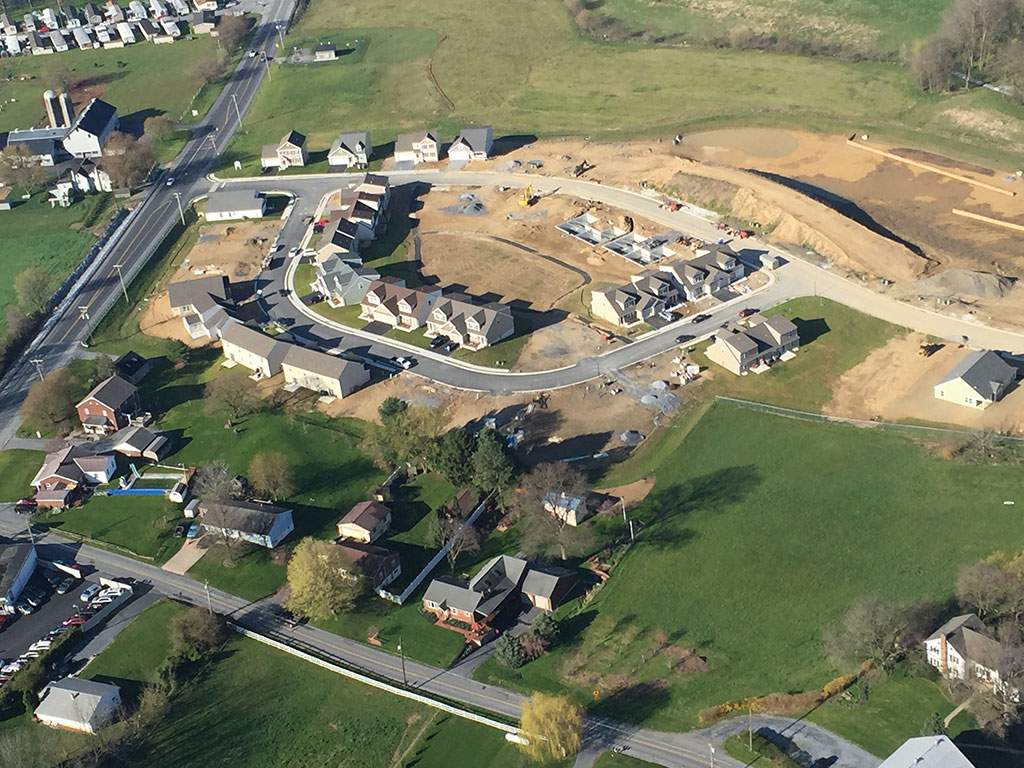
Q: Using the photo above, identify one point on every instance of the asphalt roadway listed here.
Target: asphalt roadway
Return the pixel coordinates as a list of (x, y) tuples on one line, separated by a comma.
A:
[(155, 217), (661, 748)]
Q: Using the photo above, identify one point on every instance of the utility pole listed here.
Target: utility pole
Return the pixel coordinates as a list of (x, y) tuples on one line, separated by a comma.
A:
[(632, 536), (750, 728), (622, 501), (209, 605), (266, 60), (712, 748), (38, 363), (177, 196), (238, 112), (124, 288), (405, 680)]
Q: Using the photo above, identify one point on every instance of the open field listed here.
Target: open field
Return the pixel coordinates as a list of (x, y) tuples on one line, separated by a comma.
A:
[(750, 507), (512, 69), (54, 240), (17, 468), (863, 22), (134, 79)]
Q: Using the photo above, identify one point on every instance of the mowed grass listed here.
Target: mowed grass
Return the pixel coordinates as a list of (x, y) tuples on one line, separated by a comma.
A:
[(525, 69), (141, 80), (52, 239), (760, 531), (17, 468), (833, 339)]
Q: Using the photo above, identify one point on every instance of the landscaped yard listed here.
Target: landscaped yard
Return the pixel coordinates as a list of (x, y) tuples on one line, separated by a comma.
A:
[(526, 69), (750, 521)]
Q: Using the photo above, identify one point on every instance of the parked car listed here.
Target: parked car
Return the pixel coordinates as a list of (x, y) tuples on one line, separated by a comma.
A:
[(403, 362), (74, 621), (667, 316), (24, 509), (90, 592), (294, 251), (193, 531), (683, 338), (747, 312), (65, 586), (179, 530), (438, 341), (451, 346), (102, 600), (32, 600), (25, 609), (40, 645), (700, 318), (27, 501), (169, 182)]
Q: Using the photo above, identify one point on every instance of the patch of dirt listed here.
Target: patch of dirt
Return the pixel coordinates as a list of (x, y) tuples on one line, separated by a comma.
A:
[(560, 344), (894, 383), (631, 493)]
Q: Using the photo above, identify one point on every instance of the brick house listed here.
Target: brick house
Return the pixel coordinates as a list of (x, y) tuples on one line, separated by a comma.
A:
[(379, 565), (109, 407)]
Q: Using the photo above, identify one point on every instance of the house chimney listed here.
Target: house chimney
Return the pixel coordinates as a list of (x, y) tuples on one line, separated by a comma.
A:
[(53, 113), (942, 654), (67, 109)]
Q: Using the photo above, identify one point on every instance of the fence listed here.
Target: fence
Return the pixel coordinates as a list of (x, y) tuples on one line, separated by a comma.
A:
[(365, 680), (910, 429), (400, 599)]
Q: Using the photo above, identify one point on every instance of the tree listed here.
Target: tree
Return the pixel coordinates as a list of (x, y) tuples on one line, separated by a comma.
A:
[(870, 630), (209, 71), (51, 402), (127, 159), (18, 324), (320, 584), (551, 726), (233, 392), (405, 434), (271, 474), (391, 409), (453, 456), (231, 31), (105, 367), (546, 627), (448, 528), (545, 534), (213, 480), (33, 287), (493, 465), (932, 64), (158, 126), (1011, 68), (19, 166), (984, 586), (508, 651), (933, 725), (196, 634), (178, 351)]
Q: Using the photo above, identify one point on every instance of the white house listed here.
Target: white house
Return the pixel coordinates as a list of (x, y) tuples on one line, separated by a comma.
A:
[(472, 143), (78, 705), (961, 650), (979, 380), (323, 373), (90, 130), (263, 524), (927, 752), (349, 149), (252, 349), (570, 507), (231, 204), (415, 148)]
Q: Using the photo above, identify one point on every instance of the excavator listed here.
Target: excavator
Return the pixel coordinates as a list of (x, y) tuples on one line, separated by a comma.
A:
[(527, 198)]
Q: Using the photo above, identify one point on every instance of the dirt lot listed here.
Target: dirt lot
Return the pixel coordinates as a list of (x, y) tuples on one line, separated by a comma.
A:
[(895, 384), (577, 421), (225, 249)]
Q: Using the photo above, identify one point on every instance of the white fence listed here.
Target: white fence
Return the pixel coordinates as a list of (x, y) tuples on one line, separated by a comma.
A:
[(360, 678), (400, 599)]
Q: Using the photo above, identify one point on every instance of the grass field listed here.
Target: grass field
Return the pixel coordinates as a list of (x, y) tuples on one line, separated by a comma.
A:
[(885, 25), (749, 521), (17, 468), (133, 79), (525, 69), (34, 235)]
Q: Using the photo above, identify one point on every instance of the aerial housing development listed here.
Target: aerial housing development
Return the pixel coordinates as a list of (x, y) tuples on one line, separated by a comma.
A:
[(541, 383)]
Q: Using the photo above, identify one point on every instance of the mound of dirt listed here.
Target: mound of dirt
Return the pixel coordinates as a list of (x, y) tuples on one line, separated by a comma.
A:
[(965, 282)]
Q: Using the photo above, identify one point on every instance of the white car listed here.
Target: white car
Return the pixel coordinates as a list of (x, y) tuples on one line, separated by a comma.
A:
[(90, 592), (110, 592), (102, 600), (294, 251), (403, 362), (40, 645)]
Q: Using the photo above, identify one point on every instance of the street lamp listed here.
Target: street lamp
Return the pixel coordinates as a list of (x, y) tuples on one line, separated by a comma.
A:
[(120, 276), (181, 211), (38, 363), (405, 680)]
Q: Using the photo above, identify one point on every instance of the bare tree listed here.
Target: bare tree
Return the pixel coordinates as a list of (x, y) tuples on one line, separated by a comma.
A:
[(20, 166), (870, 630), (231, 31), (233, 392), (33, 287), (546, 534), (210, 70), (213, 480), (158, 126), (271, 474), (984, 586), (449, 529), (127, 159), (932, 64)]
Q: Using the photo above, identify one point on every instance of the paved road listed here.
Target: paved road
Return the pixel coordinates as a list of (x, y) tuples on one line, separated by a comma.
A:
[(155, 216)]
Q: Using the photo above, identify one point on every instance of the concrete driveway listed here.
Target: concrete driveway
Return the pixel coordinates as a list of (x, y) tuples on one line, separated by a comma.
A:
[(185, 557)]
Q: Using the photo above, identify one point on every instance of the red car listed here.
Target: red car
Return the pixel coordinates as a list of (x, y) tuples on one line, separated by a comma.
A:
[(747, 312), (5, 620), (74, 621)]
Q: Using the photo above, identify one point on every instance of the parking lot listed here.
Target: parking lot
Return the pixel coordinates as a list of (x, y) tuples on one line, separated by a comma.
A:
[(25, 630)]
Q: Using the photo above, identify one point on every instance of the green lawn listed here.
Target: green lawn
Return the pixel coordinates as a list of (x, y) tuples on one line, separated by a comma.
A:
[(896, 709), (17, 468), (250, 575), (140, 524), (750, 520), (52, 239), (833, 339), (133, 79), (525, 69)]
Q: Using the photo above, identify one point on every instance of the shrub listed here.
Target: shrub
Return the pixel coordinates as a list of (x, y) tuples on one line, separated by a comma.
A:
[(508, 651), (838, 685)]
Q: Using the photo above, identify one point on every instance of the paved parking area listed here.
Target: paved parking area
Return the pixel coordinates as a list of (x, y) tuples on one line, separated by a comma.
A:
[(25, 630)]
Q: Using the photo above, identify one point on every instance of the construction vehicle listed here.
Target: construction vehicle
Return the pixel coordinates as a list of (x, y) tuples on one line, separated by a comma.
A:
[(526, 198), (927, 350)]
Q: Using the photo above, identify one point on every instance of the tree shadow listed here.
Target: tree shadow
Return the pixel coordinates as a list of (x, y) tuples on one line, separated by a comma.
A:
[(133, 121), (634, 703), (708, 493)]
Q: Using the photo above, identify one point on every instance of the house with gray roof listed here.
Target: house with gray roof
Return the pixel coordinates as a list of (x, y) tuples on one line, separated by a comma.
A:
[(232, 204), (415, 148), (962, 649), (755, 347), (264, 524), (472, 143), (204, 304), (109, 407), (290, 150), (351, 148), (343, 282), (473, 326), (17, 564), (340, 238), (715, 268), (546, 587), (78, 705), (65, 471), (256, 351), (327, 374), (644, 296), (977, 381), (571, 508)]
